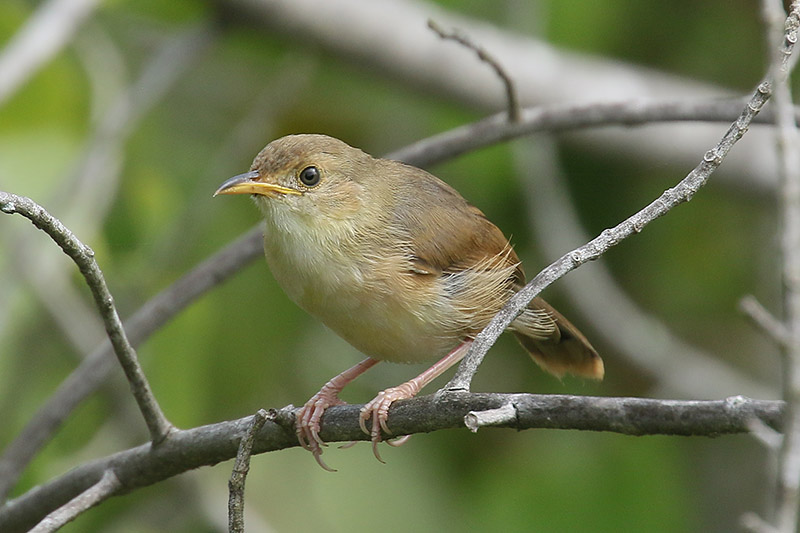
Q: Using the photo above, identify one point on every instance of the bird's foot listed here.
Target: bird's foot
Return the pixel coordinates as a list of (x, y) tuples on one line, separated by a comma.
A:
[(307, 424), (378, 411)]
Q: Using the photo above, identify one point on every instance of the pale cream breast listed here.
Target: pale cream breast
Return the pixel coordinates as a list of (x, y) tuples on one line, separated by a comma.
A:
[(377, 303)]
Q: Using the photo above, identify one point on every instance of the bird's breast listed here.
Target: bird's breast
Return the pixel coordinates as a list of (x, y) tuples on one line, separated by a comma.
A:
[(371, 298)]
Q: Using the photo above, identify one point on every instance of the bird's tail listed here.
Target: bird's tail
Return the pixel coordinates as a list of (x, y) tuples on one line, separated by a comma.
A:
[(554, 343)]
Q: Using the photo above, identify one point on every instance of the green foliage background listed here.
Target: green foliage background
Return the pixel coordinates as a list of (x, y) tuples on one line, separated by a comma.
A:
[(244, 345)]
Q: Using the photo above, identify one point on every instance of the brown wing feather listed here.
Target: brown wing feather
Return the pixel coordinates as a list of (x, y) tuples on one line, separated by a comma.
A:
[(460, 238), (454, 234)]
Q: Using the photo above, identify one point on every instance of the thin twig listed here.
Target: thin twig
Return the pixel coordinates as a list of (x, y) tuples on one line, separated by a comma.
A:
[(83, 256), (239, 474), (677, 195), (511, 91), (766, 435), (97, 493), (677, 366), (208, 445), (764, 320)]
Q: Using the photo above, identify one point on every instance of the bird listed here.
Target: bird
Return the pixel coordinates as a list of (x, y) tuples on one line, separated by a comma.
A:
[(397, 263)]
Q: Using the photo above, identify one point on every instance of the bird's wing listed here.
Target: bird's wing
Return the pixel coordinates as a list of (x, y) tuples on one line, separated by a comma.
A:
[(453, 235)]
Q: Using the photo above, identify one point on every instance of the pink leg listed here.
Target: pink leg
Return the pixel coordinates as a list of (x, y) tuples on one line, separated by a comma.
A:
[(309, 416), (378, 408)]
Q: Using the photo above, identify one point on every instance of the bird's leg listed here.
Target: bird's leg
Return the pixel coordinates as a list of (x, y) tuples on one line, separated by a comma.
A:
[(378, 408), (309, 416)]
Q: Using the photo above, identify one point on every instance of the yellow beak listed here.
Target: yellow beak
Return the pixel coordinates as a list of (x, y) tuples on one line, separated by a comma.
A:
[(247, 184)]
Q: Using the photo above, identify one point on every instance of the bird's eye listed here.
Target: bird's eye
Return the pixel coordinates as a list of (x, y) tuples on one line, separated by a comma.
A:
[(310, 176)]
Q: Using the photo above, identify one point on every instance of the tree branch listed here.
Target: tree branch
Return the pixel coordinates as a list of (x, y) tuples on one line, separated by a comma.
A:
[(207, 445), (97, 493), (239, 474), (788, 144), (679, 194), (567, 117), (93, 370), (764, 320), (544, 74), (680, 368), (83, 256)]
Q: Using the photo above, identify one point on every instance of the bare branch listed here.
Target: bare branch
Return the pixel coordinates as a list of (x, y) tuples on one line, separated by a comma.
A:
[(788, 144), (679, 367), (160, 309), (512, 102), (475, 420), (97, 493), (764, 320), (767, 436), (565, 117), (544, 73), (83, 256), (240, 469), (94, 369), (208, 445), (679, 194)]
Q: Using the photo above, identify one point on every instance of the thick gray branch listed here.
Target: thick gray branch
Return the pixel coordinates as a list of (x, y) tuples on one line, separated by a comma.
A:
[(207, 445)]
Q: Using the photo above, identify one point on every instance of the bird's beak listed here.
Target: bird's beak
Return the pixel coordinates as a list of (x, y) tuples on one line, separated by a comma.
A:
[(249, 183)]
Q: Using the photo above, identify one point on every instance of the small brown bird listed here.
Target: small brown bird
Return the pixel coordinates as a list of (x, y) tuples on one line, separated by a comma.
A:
[(397, 263)]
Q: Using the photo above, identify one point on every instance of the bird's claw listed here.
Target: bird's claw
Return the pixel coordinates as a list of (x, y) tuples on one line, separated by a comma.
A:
[(307, 425), (378, 411)]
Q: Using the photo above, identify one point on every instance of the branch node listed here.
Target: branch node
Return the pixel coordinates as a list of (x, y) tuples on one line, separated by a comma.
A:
[(286, 416), (713, 156), (765, 90), (475, 420)]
